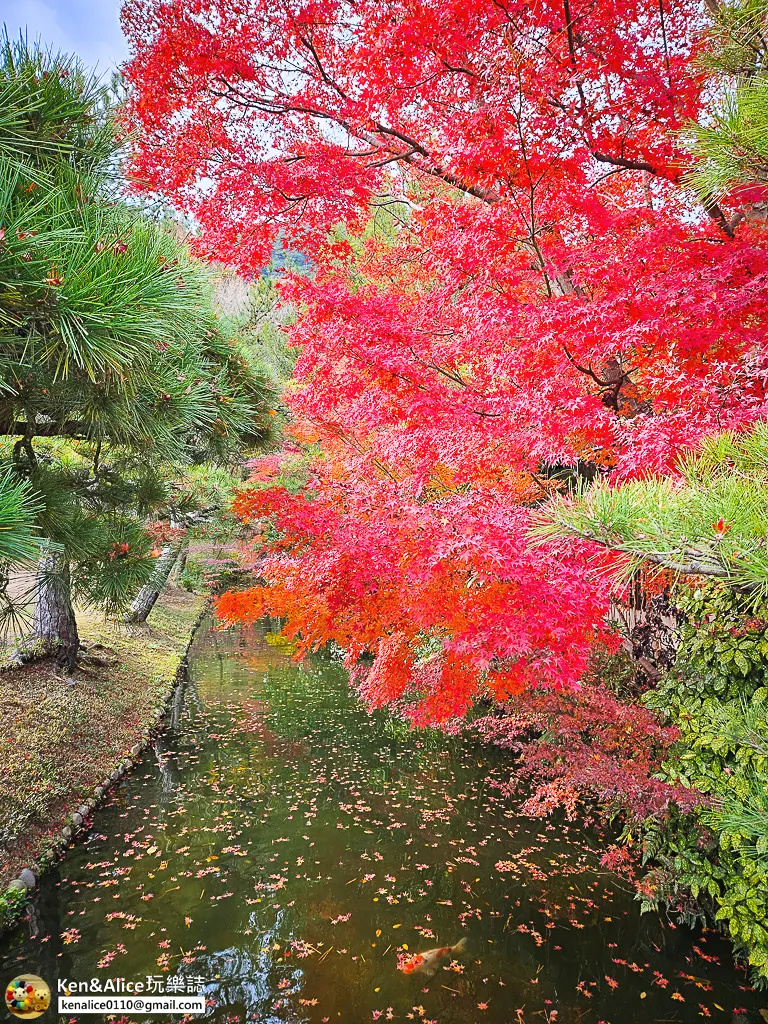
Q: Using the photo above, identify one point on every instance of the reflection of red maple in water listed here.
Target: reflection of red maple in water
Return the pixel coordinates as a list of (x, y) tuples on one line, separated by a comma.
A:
[(270, 742), (544, 296)]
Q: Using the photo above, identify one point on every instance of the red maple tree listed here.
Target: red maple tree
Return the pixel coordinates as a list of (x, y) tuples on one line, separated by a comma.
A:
[(510, 286)]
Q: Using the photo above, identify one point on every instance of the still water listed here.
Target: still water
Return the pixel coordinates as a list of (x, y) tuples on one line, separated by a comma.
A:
[(289, 850)]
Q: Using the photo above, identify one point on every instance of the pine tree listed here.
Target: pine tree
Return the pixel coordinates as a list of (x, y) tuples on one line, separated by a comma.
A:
[(732, 148), (710, 519), (115, 372)]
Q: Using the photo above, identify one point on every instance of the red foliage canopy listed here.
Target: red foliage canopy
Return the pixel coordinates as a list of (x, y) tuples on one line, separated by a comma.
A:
[(520, 286)]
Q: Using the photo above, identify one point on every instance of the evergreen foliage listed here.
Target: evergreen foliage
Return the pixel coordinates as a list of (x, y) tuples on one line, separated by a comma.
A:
[(717, 698), (732, 150), (115, 372), (18, 540), (264, 327), (709, 519)]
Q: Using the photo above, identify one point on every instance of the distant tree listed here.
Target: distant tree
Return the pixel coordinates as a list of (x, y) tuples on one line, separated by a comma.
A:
[(264, 331)]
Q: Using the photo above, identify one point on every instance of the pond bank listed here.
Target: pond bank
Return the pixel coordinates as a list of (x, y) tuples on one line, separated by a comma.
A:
[(64, 738)]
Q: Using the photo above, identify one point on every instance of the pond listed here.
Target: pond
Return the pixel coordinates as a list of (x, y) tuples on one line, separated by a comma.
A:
[(289, 850)]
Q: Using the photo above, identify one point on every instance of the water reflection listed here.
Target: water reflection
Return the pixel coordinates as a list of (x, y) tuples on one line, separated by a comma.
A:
[(285, 846)]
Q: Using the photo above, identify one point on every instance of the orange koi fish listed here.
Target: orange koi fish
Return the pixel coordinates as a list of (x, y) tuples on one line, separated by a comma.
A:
[(428, 962)]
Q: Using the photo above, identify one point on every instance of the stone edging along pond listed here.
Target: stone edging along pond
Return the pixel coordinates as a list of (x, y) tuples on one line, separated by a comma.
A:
[(14, 898)]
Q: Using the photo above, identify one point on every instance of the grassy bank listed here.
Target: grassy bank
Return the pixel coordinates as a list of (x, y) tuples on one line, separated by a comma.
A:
[(63, 736)]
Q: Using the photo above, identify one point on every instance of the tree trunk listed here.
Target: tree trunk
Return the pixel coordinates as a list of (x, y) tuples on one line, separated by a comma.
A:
[(149, 593), (54, 627), (181, 563)]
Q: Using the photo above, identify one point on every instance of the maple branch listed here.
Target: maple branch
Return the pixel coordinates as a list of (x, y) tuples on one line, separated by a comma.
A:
[(457, 70), (572, 52), (337, 431), (589, 372), (611, 386), (318, 63), (717, 214), (711, 208), (569, 31), (542, 486), (625, 163), (284, 105), (664, 37), (455, 378), (451, 375), (392, 159), (487, 195)]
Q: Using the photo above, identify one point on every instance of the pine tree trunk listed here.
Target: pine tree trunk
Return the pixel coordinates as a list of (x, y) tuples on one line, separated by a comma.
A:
[(149, 593), (54, 627), (183, 558), (181, 564)]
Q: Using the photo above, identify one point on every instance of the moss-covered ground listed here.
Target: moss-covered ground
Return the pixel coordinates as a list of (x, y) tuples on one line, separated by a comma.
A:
[(61, 736)]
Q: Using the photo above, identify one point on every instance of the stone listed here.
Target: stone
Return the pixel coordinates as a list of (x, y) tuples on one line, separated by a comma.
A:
[(135, 750), (17, 885), (99, 792), (77, 818), (83, 809), (66, 832), (28, 878)]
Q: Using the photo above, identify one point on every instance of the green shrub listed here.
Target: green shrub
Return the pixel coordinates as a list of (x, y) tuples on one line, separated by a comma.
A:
[(717, 696), (12, 902), (215, 575)]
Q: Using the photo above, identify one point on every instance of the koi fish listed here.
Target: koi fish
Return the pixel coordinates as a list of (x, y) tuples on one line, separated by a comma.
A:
[(428, 962)]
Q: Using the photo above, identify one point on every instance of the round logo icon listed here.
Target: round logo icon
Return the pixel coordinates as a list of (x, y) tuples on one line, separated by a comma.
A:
[(27, 996)]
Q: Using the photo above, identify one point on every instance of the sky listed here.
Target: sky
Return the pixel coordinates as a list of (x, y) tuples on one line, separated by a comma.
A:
[(88, 28)]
